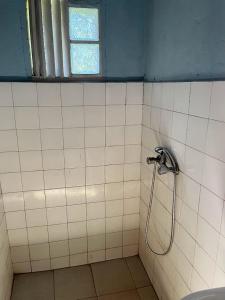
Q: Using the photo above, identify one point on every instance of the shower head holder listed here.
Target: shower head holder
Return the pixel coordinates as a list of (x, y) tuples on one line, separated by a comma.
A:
[(166, 161)]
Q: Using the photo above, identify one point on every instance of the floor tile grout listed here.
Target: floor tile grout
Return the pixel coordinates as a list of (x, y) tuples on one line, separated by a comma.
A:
[(54, 285), (130, 271), (116, 293), (93, 278), (132, 277), (122, 291)]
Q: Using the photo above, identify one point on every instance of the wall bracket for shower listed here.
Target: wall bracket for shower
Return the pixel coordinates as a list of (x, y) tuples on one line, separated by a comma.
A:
[(165, 162)]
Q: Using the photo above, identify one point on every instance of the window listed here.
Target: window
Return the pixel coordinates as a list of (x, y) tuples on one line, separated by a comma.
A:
[(64, 38), (84, 40)]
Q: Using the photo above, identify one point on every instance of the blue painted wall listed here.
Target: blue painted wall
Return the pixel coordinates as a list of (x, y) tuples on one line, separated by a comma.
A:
[(182, 39), (123, 30), (185, 40), (124, 38), (14, 47)]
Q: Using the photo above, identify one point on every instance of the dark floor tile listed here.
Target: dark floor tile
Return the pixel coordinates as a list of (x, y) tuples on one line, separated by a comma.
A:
[(112, 277), (129, 295), (33, 286), (74, 283), (138, 272), (147, 293)]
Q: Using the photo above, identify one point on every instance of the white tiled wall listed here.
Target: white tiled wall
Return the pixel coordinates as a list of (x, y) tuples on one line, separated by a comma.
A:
[(70, 171), (189, 118), (6, 272), (70, 175)]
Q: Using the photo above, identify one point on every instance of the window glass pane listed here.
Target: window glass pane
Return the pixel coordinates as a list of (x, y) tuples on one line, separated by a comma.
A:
[(84, 58), (83, 24)]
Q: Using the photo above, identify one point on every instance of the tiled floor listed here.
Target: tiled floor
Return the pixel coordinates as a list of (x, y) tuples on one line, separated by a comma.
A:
[(120, 279)]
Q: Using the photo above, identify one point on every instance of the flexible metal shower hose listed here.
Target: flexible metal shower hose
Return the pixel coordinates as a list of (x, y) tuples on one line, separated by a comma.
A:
[(149, 215)]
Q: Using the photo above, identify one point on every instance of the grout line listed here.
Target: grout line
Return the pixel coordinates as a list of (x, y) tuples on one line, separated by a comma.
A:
[(43, 178), (64, 171), (54, 294), (105, 234), (71, 168), (131, 274), (75, 222), (73, 205), (85, 178), (25, 216), (93, 279), (125, 121)]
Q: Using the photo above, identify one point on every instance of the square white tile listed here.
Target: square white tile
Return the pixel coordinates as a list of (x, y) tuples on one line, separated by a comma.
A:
[(94, 94), (48, 94), (115, 93), (94, 116), (134, 93), (73, 116), (72, 94), (200, 99), (24, 94)]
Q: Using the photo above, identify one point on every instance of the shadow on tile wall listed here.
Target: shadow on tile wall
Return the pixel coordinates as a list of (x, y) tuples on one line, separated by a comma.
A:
[(70, 172)]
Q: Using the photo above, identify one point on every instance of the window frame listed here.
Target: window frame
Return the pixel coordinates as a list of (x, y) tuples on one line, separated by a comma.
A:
[(87, 4)]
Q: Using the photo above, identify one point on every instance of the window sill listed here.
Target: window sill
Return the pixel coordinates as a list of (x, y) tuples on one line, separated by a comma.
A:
[(88, 79), (70, 79)]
